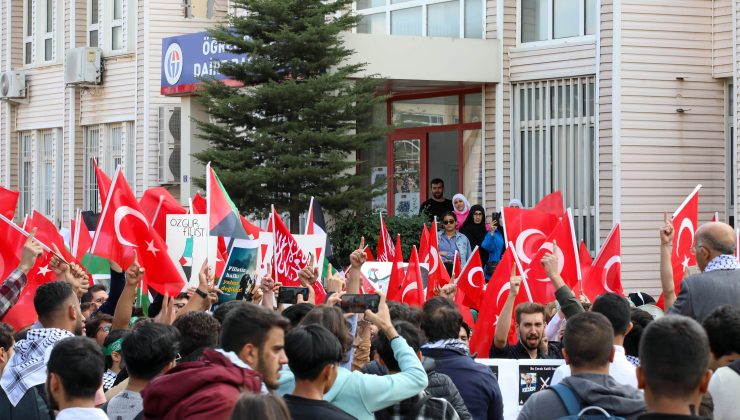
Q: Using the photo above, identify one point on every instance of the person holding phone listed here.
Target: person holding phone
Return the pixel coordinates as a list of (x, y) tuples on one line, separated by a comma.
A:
[(357, 393), (450, 240), (494, 245)]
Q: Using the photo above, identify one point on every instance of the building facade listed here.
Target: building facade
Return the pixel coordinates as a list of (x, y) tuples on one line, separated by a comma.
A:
[(622, 105)]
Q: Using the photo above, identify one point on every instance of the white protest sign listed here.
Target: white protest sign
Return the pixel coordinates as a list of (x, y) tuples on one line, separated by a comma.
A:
[(519, 379), (379, 273), (189, 243)]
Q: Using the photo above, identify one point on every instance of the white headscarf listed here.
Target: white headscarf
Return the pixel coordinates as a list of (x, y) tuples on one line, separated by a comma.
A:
[(464, 200)]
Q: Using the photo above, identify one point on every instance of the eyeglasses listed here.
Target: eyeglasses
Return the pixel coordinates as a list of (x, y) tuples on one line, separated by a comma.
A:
[(448, 222), (105, 328)]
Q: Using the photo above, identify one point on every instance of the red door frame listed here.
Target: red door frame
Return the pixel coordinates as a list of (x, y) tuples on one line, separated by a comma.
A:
[(422, 133)]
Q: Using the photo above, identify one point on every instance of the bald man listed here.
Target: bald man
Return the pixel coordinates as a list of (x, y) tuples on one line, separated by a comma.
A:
[(719, 282)]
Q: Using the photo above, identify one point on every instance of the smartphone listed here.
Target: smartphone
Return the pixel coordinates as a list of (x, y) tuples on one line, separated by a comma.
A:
[(290, 294), (358, 304)]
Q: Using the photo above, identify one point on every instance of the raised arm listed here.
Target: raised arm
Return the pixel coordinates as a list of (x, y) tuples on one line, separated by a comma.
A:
[(205, 295), (666, 269), (569, 303), (504, 321), (356, 259), (124, 307), (117, 283)]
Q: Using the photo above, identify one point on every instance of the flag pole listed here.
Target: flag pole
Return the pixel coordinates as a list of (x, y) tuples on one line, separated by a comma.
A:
[(309, 216), (159, 206), (26, 234), (521, 271), (208, 217)]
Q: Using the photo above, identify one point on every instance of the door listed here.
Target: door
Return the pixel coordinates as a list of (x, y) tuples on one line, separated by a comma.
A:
[(406, 176), (443, 160)]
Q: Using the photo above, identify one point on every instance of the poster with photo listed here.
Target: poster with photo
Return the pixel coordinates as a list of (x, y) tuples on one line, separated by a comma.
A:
[(240, 274), (533, 378)]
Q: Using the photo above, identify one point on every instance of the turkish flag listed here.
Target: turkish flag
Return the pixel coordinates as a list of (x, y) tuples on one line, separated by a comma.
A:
[(568, 262), (10, 253), (123, 228), (81, 240), (471, 281), (386, 251), (412, 289), (464, 309), (8, 202), (685, 224), (103, 182), (494, 298), (527, 230), (424, 245), (156, 204), (457, 266), (585, 260), (551, 204), (288, 258), (199, 205), (47, 234), (438, 275), (605, 275), (23, 313), (396, 279)]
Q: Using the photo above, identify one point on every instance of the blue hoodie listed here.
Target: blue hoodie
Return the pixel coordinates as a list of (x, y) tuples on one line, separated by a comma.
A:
[(362, 394)]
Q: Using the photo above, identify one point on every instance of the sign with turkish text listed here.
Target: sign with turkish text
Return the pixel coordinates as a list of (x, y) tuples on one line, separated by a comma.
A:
[(240, 275), (188, 244), (188, 58)]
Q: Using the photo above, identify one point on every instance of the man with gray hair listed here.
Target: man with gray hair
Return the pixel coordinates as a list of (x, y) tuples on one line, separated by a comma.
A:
[(719, 282)]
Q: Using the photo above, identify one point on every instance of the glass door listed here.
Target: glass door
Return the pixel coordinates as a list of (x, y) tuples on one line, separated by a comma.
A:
[(443, 157), (407, 175)]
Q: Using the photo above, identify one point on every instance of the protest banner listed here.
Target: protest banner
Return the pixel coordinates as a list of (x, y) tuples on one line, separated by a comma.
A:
[(188, 244), (240, 273), (519, 379), (313, 244)]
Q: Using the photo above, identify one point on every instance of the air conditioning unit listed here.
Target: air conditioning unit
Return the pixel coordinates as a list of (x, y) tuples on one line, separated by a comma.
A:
[(169, 144), (83, 66), (13, 85)]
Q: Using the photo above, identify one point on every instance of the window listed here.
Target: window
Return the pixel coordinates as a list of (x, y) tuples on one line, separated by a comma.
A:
[(130, 153), (115, 148), (40, 30), (198, 9), (730, 151), (28, 32), (554, 147), (90, 154), (46, 173), (542, 20), (93, 23), (438, 18), (26, 172), (107, 24)]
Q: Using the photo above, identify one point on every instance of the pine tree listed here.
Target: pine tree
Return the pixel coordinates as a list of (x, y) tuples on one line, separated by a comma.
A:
[(290, 132)]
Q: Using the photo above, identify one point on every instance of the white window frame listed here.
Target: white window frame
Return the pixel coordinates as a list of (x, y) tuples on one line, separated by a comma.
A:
[(117, 23), (551, 40), (46, 35), (46, 177), (552, 138), (106, 23), (388, 8), (94, 26), (29, 38), (188, 9), (90, 150), (25, 180), (730, 152)]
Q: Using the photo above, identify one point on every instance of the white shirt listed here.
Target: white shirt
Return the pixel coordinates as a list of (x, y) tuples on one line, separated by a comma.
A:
[(234, 359), (620, 369), (79, 413), (725, 387)]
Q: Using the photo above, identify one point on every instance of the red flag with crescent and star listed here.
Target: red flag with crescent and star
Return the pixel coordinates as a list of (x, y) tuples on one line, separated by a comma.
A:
[(438, 275), (568, 262), (685, 223), (396, 279), (10, 252), (471, 281), (412, 290), (123, 228), (494, 298), (527, 230), (424, 245), (605, 275)]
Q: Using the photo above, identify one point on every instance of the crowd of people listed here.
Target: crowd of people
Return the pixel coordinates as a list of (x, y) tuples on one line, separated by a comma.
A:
[(93, 354)]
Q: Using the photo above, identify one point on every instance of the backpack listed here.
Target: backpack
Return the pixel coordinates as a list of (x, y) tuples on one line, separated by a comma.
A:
[(573, 406)]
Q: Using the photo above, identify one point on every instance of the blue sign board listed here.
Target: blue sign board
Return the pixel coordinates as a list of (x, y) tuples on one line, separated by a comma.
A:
[(186, 58)]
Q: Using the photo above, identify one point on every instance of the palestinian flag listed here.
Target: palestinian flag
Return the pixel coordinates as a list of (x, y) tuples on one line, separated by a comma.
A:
[(223, 217), (316, 225)]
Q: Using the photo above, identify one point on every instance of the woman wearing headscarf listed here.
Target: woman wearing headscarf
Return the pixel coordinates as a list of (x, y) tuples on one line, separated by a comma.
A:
[(494, 244), (461, 208), (474, 228)]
